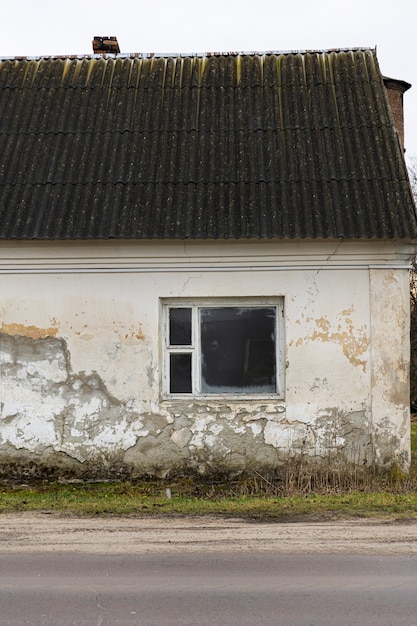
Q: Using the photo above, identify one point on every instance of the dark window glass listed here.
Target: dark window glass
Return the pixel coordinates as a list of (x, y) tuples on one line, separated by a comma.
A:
[(238, 353), (180, 373), (180, 327)]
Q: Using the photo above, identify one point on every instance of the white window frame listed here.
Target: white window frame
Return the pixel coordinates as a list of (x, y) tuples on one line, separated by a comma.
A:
[(194, 349)]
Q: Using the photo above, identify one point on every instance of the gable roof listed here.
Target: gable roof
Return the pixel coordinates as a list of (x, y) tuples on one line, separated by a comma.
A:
[(287, 145)]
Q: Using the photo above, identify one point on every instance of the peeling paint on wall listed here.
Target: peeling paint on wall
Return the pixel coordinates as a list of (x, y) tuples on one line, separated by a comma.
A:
[(80, 376), (49, 410), (354, 342), (28, 331)]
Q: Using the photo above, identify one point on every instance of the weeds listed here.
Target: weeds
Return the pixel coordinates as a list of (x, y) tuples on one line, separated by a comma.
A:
[(238, 500)]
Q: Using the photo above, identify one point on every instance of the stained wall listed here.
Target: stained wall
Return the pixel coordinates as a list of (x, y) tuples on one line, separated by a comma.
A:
[(82, 340)]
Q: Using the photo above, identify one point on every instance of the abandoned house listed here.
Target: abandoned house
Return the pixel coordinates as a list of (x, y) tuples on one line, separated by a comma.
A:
[(204, 263)]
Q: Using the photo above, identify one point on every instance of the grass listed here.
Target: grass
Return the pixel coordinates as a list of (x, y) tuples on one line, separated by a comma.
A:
[(144, 500), (258, 499)]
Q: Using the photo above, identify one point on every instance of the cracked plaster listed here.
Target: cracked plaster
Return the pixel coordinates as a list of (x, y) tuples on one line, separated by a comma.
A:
[(53, 410), (93, 421)]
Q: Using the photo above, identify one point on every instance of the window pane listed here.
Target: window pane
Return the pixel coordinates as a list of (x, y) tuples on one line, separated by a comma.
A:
[(179, 327), (180, 373), (238, 350)]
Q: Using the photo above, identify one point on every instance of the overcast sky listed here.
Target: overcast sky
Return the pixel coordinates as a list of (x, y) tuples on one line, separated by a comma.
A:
[(50, 27)]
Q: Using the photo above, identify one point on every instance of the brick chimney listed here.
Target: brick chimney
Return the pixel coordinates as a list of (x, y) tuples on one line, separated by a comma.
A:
[(395, 90), (105, 45)]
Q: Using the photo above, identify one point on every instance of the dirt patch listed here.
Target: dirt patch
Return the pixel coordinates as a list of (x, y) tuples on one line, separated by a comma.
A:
[(34, 533)]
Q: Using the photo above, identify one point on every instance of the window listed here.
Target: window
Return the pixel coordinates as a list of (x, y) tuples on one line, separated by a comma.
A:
[(217, 349)]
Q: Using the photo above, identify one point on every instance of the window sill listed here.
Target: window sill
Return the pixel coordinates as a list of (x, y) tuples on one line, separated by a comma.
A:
[(222, 398)]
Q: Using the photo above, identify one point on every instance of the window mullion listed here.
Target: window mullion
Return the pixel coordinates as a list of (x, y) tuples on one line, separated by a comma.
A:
[(196, 355)]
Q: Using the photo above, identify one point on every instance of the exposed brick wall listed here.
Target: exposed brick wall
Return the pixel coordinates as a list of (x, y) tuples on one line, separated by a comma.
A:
[(395, 91)]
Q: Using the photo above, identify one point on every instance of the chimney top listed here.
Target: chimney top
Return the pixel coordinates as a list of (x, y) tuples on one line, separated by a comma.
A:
[(395, 90), (105, 45)]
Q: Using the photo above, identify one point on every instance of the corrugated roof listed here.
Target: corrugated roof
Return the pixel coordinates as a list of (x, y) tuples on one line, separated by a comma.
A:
[(277, 145)]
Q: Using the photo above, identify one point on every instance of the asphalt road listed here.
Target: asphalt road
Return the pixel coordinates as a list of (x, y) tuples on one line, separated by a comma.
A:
[(203, 588)]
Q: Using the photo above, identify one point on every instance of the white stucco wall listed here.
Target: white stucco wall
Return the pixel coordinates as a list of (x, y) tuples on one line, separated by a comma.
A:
[(81, 353)]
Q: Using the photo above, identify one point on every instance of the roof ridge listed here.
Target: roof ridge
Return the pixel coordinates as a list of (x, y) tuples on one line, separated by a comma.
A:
[(179, 55)]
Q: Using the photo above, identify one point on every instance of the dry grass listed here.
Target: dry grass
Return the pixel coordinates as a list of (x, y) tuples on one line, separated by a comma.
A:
[(144, 499)]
